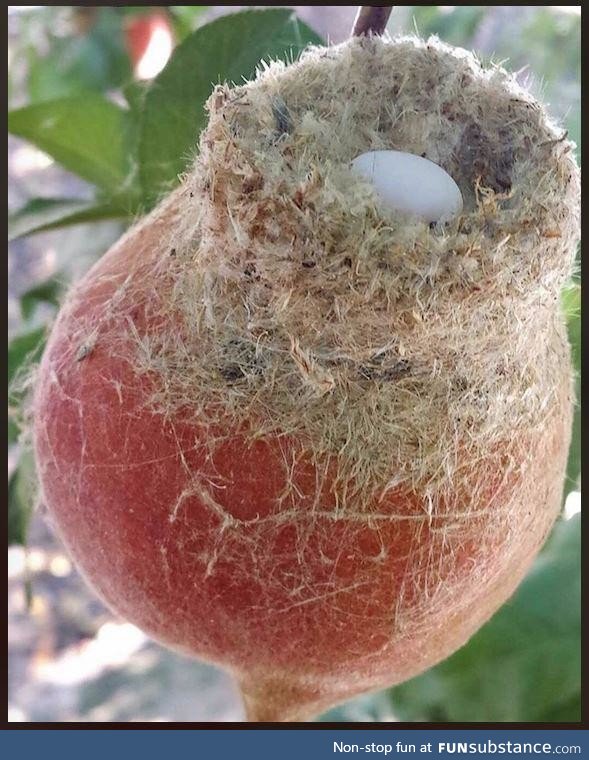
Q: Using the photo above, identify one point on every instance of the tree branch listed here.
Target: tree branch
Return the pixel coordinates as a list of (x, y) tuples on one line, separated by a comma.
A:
[(371, 19)]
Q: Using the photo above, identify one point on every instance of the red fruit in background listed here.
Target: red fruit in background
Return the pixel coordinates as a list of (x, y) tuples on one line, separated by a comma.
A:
[(143, 29)]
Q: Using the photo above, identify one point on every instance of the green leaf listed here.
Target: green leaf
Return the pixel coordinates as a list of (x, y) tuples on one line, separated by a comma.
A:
[(524, 665), (228, 49), (135, 93), (572, 308), (571, 301), (186, 18), (21, 495), (45, 292), (13, 429), (563, 712), (49, 213), (91, 55), (24, 349), (87, 134)]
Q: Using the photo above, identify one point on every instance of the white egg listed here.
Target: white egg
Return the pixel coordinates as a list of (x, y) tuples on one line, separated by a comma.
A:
[(411, 184)]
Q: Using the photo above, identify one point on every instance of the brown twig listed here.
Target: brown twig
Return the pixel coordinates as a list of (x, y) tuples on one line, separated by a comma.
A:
[(371, 19)]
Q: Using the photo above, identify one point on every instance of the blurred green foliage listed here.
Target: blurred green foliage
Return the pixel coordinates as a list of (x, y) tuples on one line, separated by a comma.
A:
[(455, 26), (73, 51), (543, 45), (525, 664), (572, 309), (132, 139), (186, 18), (132, 155)]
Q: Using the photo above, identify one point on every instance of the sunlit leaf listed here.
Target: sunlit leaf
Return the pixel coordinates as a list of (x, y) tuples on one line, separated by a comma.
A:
[(87, 134), (186, 18)]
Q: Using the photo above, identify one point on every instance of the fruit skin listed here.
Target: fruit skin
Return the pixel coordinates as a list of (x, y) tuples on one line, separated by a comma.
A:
[(306, 610)]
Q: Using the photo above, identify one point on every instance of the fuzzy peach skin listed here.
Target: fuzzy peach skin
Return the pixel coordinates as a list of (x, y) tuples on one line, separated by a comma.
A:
[(306, 609)]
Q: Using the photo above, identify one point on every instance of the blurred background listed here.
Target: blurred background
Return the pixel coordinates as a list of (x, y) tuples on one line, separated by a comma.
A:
[(88, 152)]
